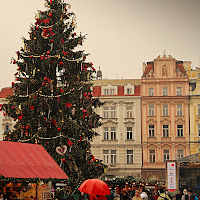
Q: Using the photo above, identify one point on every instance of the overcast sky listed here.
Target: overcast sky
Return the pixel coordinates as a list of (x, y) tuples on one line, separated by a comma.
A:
[(122, 34)]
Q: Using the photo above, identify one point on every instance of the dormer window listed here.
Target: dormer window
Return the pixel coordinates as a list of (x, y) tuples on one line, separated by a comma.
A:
[(109, 90), (129, 91), (106, 92), (112, 91)]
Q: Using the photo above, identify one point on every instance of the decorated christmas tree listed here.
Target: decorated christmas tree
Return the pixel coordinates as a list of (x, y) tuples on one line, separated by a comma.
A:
[(52, 102)]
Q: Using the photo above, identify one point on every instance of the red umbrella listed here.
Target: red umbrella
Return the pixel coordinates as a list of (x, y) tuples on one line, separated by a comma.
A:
[(94, 186)]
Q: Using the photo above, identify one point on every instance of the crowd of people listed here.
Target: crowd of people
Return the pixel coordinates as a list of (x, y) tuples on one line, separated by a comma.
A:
[(161, 194)]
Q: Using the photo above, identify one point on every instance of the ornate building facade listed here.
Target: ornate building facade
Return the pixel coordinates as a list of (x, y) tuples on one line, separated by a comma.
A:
[(119, 143), (6, 123), (194, 97), (165, 114)]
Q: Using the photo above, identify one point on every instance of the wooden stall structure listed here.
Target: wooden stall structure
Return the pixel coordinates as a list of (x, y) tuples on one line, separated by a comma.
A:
[(27, 170)]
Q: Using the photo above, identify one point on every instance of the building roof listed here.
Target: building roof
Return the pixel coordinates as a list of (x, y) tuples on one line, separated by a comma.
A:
[(6, 92), (23, 160), (118, 82)]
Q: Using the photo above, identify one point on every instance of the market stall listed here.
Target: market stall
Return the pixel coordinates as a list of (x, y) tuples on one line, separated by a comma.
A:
[(27, 170)]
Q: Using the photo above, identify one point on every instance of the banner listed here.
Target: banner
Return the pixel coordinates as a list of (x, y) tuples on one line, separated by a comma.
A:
[(171, 175)]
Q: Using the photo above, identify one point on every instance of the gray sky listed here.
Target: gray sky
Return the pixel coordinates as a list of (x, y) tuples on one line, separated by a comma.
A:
[(121, 33)]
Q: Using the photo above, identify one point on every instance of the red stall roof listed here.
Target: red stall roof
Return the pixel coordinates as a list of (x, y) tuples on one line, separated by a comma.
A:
[(23, 160)]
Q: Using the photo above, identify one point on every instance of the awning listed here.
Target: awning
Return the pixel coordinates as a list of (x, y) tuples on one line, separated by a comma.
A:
[(23, 160), (190, 159)]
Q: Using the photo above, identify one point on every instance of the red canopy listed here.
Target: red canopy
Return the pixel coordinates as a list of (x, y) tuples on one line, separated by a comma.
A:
[(23, 160)]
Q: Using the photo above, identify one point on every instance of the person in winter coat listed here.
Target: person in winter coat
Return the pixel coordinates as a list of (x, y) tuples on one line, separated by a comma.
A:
[(163, 196), (144, 194), (82, 196), (124, 195), (137, 195)]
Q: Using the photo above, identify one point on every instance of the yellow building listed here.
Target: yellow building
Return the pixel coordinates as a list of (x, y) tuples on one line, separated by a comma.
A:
[(194, 98)]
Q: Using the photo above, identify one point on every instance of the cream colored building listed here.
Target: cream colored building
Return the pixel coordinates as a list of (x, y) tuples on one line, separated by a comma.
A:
[(194, 94), (119, 143)]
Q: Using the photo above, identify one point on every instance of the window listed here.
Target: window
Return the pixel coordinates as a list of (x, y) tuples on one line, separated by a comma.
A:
[(113, 112), (105, 133), (7, 129), (166, 155), (180, 130), (129, 156), (199, 130), (151, 130), (105, 156), (165, 91), (112, 91), (105, 112), (129, 133), (180, 153), (152, 156), (165, 110), (179, 91), (113, 156), (113, 133), (151, 110), (198, 109), (165, 130), (129, 113), (179, 110), (106, 92), (151, 91), (198, 75), (129, 91)]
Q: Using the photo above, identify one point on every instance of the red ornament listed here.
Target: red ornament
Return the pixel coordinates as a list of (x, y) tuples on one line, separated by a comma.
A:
[(36, 27), (32, 107), (51, 61), (69, 143), (13, 107), (20, 117), (42, 12), (14, 119), (44, 118), (85, 94), (68, 105), (60, 63), (70, 158), (4, 114), (13, 83), (98, 165), (50, 15), (61, 90), (17, 79), (27, 127), (52, 41), (63, 160), (14, 62), (93, 158), (23, 127), (48, 52), (59, 129), (31, 56)]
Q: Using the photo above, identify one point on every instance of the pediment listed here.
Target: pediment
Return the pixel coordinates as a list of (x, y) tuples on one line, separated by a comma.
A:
[(180, 121), (110, 122)]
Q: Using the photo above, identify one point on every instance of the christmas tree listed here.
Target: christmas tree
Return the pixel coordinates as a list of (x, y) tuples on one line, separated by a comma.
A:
[(52, 102)]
